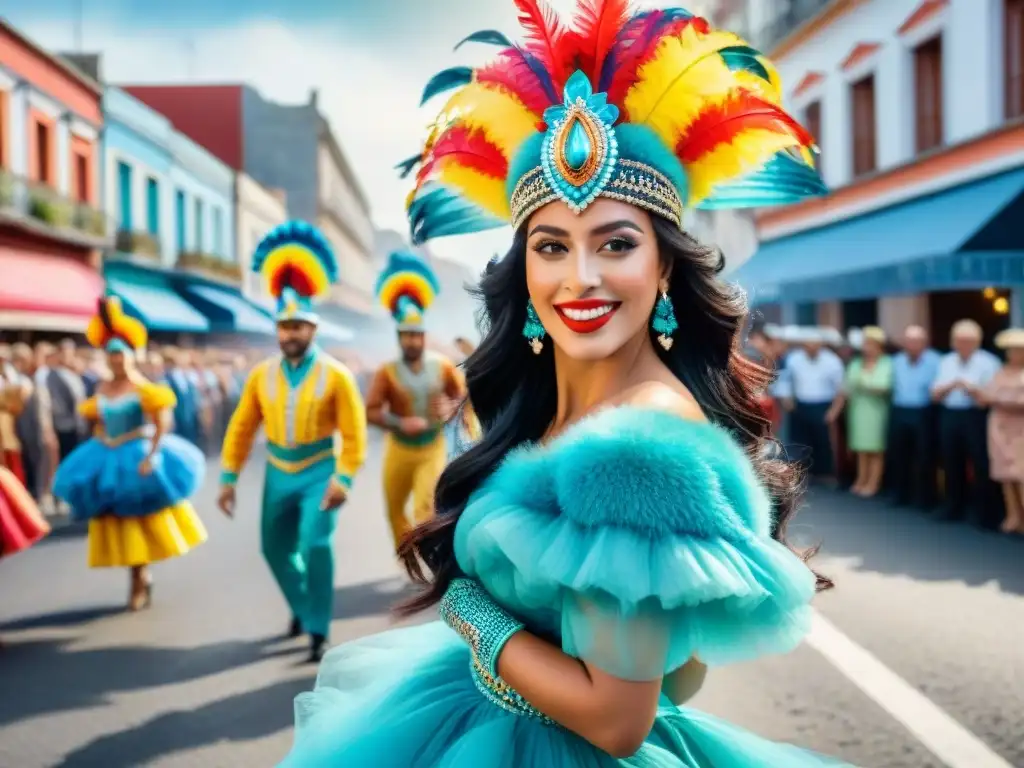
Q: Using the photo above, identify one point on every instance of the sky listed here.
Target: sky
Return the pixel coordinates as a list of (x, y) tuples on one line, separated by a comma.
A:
[(368, 58)]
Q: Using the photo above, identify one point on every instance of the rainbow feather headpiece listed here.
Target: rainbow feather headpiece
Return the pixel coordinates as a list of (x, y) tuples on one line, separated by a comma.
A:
[(406, 288), (299, 267), (655, 108), (113, 330)]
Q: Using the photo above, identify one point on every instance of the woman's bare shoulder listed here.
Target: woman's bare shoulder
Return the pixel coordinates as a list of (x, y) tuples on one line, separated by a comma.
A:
[(668, 397)]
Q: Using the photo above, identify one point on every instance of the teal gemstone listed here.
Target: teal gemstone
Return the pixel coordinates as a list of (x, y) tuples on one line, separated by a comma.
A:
[(577, 146)]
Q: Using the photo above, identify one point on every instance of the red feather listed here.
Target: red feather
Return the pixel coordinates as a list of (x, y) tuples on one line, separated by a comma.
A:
[(511, 71), (721, 123), (638, 47), (293, 278), (547, 37), (471, 149), (598, 23)]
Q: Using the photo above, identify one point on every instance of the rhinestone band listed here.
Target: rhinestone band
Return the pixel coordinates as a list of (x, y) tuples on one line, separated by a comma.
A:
[(633, 182)]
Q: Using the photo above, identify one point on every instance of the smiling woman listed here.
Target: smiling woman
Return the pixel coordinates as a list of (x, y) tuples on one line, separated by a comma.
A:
[(618, 526)]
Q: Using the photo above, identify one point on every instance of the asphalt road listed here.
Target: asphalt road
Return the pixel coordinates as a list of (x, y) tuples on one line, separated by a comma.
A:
[(203, 678)]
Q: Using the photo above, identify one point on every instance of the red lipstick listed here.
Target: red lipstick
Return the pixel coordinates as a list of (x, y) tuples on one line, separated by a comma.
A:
[(586, 315)]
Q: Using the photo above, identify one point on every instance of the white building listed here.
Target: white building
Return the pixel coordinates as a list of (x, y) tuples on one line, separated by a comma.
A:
[(917, 106), (258, 210)]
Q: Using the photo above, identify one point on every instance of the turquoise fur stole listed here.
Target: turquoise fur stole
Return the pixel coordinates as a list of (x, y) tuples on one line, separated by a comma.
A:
[(645, 470)]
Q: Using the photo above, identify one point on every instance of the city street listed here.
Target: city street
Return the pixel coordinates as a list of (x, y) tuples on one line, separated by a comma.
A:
[(920, 644)]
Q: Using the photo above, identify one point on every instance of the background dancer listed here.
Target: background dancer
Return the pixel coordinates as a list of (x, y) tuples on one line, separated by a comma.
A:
[(132, 481), (304, 399), (412, 397)]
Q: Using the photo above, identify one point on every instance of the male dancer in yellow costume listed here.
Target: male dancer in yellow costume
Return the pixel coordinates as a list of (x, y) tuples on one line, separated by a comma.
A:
[(303, 399), (412, 397)]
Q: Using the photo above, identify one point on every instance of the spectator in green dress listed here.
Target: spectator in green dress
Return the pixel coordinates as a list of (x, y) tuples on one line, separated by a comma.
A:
[(865, 396)]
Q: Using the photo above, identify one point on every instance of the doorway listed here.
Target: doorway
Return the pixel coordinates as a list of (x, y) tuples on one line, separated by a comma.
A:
[(990, 308)]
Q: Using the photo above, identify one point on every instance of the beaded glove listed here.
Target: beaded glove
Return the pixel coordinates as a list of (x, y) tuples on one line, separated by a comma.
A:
[(482, 623)]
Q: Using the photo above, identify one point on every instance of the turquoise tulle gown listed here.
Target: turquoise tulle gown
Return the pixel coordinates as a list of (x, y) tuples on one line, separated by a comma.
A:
[(638, 541)]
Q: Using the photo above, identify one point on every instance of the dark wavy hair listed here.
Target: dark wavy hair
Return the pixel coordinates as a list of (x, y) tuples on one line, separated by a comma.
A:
[(513, 393)]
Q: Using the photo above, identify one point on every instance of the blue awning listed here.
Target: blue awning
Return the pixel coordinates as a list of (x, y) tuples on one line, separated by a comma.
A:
[(156, 304), (921, 245), (230, 311)]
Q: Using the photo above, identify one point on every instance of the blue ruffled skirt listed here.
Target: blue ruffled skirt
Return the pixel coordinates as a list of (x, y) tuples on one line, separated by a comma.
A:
[(406, 699), (97, 479)]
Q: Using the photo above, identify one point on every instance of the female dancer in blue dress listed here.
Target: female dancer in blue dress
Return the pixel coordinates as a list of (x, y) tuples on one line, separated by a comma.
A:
[(131, 481), (619, 525)]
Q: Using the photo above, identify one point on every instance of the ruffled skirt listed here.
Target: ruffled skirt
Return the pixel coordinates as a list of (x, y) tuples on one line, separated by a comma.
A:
[(21, 523), (134, 519), (123, 542), (97, 479), (406, 699)]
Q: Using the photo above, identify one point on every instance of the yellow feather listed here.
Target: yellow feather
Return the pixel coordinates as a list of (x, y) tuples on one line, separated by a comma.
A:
[(501, 116), (757, 85), (677, 83), (727, 162), (486, 191)]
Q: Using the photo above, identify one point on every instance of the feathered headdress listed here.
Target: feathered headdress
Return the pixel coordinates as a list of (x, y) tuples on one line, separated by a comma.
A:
[(406, 288), (298, 265), (655, 108), (111, 329)]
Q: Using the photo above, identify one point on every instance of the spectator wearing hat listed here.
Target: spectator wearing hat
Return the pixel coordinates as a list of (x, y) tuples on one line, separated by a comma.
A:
[(1005, 397), (959, 388), (912, 421), (815, 376), (865, 396)]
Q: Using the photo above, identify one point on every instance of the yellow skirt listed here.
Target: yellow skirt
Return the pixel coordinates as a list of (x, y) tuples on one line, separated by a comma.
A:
[(122, 542)]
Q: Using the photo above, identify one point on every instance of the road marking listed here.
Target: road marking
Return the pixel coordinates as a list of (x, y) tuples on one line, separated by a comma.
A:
[(943, 736)]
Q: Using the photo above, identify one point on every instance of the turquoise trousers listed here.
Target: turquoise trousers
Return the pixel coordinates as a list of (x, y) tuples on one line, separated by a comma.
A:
[(296, 539)]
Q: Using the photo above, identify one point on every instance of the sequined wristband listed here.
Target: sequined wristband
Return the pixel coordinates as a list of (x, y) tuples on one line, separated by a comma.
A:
[(483, 624)]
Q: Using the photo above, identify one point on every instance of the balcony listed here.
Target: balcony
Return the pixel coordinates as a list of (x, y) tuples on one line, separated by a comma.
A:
[(210, 265), (784, 22), (42, 210), (141, 244)]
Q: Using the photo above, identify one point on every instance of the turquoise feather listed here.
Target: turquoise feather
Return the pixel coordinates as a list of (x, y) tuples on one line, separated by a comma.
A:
[(487, 36), (405, 167), (743, 58), (781, 181), (446, 80)]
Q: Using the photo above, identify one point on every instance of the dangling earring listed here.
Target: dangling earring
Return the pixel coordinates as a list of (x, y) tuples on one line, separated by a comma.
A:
[(533, 330), (664, 320)]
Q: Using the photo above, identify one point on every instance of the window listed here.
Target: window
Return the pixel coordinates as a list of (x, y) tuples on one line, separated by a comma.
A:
[(199, 226), (928, 94), (812, 122), (124, 192), (1014, 58), (218, 232), (81, 177), (43, 165), (864, 128), (152, 206), (179, 220)]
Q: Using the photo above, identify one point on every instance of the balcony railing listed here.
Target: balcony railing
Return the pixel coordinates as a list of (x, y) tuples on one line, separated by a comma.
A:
[(210, 264), (139, 243), (44, 209), (784, 23)]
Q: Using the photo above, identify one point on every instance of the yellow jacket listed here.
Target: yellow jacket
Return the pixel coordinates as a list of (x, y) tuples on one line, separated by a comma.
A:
[(301, 418)]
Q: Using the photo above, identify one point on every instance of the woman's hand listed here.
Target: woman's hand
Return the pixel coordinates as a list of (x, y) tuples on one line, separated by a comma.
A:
[(146, 466)]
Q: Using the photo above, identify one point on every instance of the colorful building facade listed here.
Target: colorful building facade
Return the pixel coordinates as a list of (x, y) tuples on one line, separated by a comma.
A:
[(283, 147), (52, 230), (918, 107)]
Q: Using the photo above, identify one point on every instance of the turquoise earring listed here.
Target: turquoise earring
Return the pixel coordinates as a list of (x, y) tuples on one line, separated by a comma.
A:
[(533, 330), (664, 319)]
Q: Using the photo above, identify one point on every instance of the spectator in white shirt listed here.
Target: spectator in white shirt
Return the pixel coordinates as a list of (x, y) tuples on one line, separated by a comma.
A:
[(963, 375), (814, 377)]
